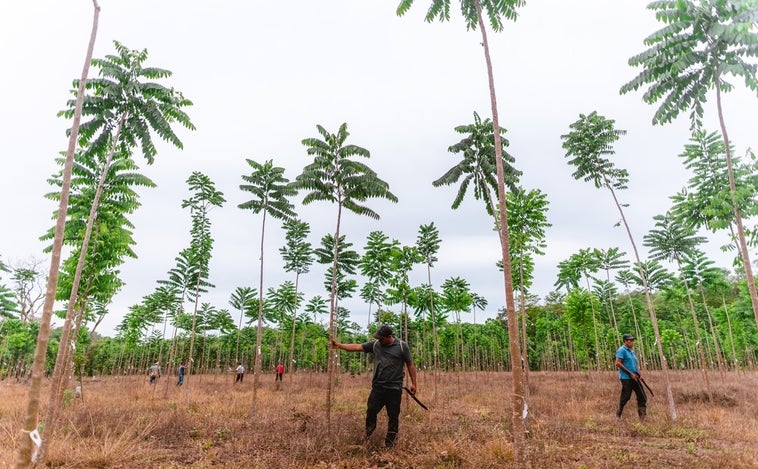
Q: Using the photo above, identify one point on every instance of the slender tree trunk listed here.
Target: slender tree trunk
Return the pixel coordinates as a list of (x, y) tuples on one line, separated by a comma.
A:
[(699, 343), (43, 337), (518, 398), (291, 361), (59, 370), (171, 351), (524, 348), (651, 310), (594, 323), (259, 332), (436, 346), (190, 365), (735, 362), (737, 216), (332, 353)]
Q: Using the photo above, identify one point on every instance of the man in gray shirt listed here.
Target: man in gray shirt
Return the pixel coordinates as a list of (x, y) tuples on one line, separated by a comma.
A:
[(390, 354)]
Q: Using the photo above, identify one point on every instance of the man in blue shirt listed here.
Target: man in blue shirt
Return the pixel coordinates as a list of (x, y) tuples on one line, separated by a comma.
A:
[(390, 354), (629, 374)]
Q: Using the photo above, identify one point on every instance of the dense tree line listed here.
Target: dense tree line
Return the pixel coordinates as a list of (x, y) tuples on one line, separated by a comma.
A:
[(561, 334)]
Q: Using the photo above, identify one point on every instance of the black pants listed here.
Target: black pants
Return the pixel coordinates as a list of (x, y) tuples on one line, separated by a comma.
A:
[(390, 399), (239, 377), (627, 386), (278, 377)]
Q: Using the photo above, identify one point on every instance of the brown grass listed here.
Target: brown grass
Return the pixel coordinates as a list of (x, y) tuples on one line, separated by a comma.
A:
[(124, 422)]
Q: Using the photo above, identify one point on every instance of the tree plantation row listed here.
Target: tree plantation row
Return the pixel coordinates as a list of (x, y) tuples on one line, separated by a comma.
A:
[(693, 316), (577, 331)]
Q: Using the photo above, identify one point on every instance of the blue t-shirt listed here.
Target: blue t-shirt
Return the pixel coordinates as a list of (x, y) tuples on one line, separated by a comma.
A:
[(629, 359), (388, 363)]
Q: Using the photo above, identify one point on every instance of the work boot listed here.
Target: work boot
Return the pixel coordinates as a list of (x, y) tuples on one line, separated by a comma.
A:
[(618, 413), (389, 440), (642, 412)]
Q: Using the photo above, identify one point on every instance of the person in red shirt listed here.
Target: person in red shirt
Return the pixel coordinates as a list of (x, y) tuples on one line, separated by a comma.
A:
[(279, 372)]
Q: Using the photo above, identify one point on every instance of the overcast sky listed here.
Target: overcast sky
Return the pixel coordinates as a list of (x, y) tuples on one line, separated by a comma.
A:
[(262, 75)]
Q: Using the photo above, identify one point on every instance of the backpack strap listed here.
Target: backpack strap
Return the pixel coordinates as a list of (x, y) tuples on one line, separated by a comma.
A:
[(402, 351)]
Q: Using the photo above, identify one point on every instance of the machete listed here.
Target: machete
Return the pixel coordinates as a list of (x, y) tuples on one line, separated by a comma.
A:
[(648, 387), (415, 398)]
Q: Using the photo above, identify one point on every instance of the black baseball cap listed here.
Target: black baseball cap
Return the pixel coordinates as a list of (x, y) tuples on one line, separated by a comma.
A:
[(383, 331), (628, 337)]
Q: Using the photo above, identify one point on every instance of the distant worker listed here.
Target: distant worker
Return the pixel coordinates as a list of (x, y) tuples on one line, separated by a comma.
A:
[(182, 369), (240, 373), (155, 372), (387, 383), (629, 374), (279, 372)]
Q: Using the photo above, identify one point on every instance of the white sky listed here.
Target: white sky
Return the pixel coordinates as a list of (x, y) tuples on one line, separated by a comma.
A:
[(263, 74)]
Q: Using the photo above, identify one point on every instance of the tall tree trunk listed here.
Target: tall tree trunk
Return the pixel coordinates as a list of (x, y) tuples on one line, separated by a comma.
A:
[(291, 361), (259, 332), (699, 343), (519, 405), (594, 323), (735, 362), (649, 302), (524, 348), (190, 362), (435, 345), (60, 369), (332, 353), (737, 216), (43, 337)]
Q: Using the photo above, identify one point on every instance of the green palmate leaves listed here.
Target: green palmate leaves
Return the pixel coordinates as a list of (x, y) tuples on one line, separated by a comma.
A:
[(297, 253), (204, 198), (283, 301), (348, 260), (698, 269), (591, 139), (270, 190), (611, 259), (527, 222), (428, 243), (569, 274), (335, 177), (123, 98), (478, 167), (702, 44), (671, 240), (706, 202), (657, 277), (8, 306), (495, 10), (316, 305), (111, 240)]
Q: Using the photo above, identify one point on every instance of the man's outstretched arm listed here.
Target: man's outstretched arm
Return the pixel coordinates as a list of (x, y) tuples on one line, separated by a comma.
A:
[(347, 347)]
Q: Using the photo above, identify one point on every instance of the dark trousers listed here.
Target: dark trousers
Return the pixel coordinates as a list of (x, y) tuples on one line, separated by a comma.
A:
[(239, 377), (278, 377), (390, 399), (627, 386)]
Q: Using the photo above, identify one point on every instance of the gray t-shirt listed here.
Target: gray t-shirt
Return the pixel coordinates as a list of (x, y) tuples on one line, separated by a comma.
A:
[(388, 363)]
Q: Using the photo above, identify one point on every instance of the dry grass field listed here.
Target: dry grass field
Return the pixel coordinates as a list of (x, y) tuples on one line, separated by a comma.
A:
[(125, 423)]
